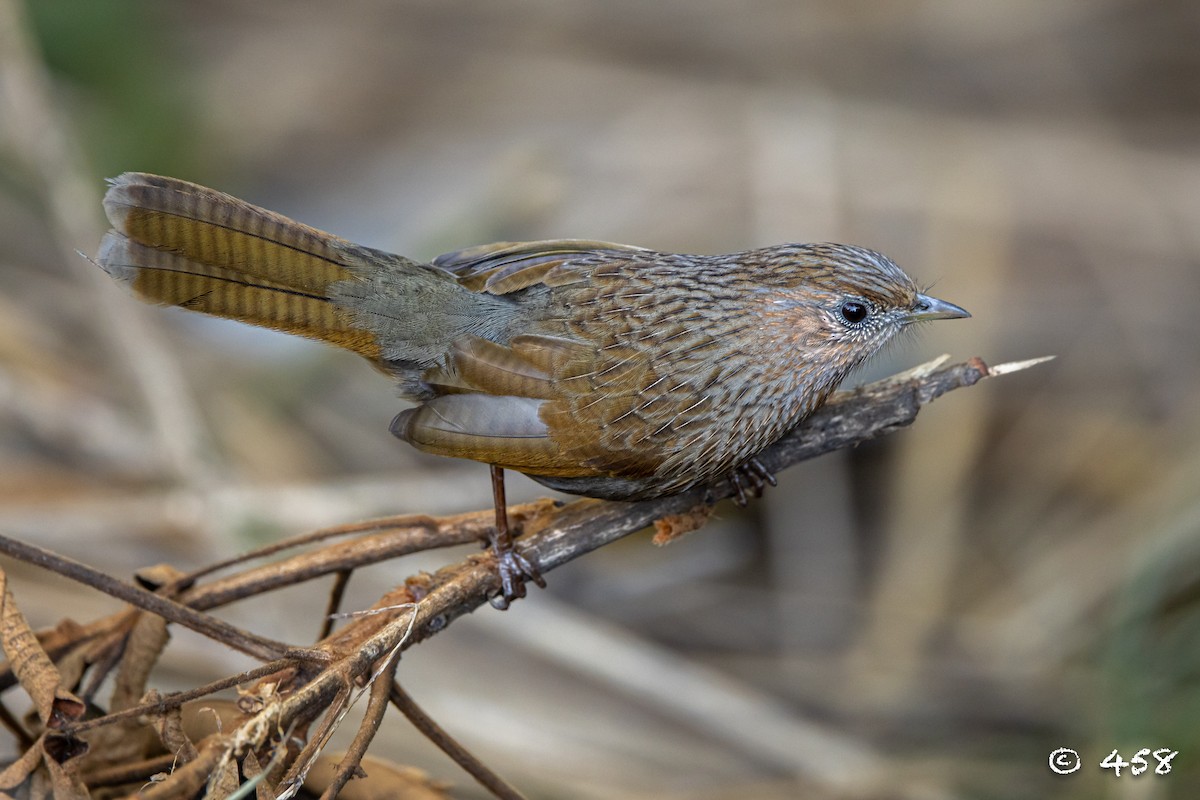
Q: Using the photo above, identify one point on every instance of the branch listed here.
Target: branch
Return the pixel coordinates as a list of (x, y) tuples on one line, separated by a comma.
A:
[(848, 418), (561, 535), (551, 535), (558, 535), (170, 610)]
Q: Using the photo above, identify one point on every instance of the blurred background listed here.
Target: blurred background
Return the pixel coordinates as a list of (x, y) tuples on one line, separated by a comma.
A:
[(1014, 574)]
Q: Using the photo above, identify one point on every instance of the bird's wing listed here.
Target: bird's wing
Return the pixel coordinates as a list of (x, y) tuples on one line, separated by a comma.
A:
[(491, 406), (517, 404), (506, 267)]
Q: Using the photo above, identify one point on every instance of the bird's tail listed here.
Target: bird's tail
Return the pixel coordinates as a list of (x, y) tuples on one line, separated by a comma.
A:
[(176, 243)]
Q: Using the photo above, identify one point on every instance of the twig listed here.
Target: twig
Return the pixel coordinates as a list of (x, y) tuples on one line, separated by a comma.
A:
[(340, 581), (187, 779), (450, 746), (847, 419), (243, 641), (377, 704), (119, 774), (382, 525), (14, 726), (177, 699), (414, 535)]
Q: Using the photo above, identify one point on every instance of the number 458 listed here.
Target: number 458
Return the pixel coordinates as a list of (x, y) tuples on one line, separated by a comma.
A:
[(1138, 764)]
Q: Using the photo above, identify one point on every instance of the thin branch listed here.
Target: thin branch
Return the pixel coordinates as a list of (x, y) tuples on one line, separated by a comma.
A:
[(381, 525), (847, 419), (14, 726), (243, 641), (377, 704), (187, 779), (415, 534), (294, 777), (120, 774), (177, 699), (341, 580), (436, 734)]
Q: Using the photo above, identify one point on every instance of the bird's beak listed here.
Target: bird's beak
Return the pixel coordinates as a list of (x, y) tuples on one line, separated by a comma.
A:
[(928, 307)]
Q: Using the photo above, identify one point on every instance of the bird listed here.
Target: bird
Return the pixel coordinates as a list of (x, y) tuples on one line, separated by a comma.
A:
[(598, 369)]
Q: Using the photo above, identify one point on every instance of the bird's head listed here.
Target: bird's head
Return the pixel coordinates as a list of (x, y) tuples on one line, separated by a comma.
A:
[(835, 305)]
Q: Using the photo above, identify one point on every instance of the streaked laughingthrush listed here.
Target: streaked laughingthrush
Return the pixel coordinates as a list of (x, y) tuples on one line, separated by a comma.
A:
[(595, 368)]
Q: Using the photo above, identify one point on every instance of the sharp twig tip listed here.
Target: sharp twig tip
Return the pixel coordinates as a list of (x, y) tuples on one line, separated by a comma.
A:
[(1017, 366)]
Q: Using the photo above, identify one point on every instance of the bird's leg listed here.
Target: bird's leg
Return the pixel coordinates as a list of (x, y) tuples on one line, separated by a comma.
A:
[(513, 567)]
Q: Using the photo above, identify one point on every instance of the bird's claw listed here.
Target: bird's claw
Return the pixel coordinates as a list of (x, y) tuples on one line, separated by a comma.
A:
[(750, 472), (739, 496), (514, 569)]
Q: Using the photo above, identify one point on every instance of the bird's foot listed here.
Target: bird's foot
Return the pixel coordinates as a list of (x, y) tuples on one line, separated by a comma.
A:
[(752, 474), (514, 569)]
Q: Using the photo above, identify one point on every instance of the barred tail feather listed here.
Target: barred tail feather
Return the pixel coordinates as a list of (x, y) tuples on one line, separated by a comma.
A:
[(176, 243)]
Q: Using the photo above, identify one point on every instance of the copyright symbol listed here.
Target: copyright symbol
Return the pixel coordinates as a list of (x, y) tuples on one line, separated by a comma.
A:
[(1064, 761)]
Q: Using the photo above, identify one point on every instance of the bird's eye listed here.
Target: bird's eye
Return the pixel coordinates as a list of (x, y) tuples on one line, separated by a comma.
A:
[(853, 311)]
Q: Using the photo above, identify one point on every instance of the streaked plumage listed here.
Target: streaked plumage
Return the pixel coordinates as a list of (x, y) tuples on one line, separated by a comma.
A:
[(596, 368)]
